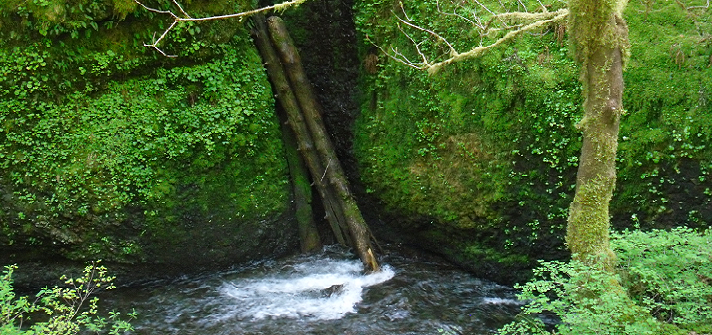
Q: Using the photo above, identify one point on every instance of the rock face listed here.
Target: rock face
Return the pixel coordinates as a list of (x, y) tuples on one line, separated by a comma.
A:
[(110, 151), (479, 161)]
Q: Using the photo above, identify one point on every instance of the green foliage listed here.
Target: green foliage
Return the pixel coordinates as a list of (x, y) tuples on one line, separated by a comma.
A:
[(666, 275), (105, 144), (670, 274), (65, 310), (82, 18), (664, 153), (586, 299), (488, 145)]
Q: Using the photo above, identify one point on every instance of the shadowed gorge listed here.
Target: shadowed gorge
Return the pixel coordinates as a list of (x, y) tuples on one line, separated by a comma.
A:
[(481, 132)]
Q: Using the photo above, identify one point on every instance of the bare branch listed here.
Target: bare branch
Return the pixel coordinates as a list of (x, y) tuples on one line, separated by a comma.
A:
[(523, 5), (397, 54), (454, 13), (499, 27), (436, 35), (559, 15), (700, 7), (417, 45), (187, 18), (543, 8), (157, 10), (156, 41), (485, 7), (181, 9)]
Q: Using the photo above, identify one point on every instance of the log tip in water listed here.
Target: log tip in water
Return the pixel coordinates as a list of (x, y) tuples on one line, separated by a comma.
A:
[(370, 261)]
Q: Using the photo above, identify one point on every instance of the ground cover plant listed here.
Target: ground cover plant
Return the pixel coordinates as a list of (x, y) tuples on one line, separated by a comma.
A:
[(61, 310), (667, 275)]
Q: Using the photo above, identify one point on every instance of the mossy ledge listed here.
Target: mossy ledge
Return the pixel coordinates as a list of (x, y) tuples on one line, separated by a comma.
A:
[(479, 161), (109, 150)]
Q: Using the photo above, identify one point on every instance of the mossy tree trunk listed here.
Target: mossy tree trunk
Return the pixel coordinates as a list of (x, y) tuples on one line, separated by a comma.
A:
[(295, 95), (600, 40), (301, 188), (359, 231), (289, 104)]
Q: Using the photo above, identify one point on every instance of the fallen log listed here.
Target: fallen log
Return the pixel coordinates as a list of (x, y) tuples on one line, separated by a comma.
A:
[(309, 239), (311, 110), (285, 97)]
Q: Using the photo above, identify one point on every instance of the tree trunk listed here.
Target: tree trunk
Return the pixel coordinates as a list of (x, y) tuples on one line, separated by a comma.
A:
[(600, 39), (297, 99), (289, 104), (301, 188), (312, 114)]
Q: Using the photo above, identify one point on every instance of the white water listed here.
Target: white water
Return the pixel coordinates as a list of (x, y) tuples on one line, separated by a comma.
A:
[(503, 301), (413, 295), (302, 290)]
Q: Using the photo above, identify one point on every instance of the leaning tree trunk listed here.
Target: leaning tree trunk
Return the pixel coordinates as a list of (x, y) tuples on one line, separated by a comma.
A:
[(301, 187), (312, 114), (295, 96), (600, 39), (306, 147)]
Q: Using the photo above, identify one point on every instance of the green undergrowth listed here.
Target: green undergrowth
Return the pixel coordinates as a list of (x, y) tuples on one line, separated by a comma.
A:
[(665, 276), (72, 308), (488, 145), (665, 158), (108, 146)]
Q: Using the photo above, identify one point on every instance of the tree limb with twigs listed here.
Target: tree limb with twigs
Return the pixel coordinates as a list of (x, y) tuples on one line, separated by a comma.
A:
[(183, 16), (489, 25)]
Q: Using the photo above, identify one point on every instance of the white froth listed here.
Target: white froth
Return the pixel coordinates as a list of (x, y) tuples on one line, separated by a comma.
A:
[(502, 301), (301, 291)]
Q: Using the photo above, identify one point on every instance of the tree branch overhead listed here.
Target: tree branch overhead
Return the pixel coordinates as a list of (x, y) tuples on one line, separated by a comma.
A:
[(185, 17), (511, 23)]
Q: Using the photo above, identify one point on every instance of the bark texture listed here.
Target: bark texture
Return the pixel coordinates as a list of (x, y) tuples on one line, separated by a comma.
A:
[(304, 116), (288, 102), (301, 188), (600, 39)]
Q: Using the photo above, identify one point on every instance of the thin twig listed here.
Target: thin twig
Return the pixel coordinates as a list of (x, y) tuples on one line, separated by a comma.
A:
[(417, 45), (389, 55), (485, 7), (523, 5), (700, 7), (188, 18), (455, 14), (543, 8), (326, 169), (436, 35), (181, 9)]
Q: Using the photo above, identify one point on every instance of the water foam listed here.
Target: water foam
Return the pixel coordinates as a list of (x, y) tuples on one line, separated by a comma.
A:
[(502, 301), (322, 289)]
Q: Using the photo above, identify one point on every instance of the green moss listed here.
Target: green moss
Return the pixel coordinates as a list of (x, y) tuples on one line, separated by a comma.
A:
[(109, 150), (489, 146), (485, 145)]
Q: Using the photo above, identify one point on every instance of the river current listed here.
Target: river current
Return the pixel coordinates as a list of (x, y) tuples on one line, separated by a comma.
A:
[(323, 293)]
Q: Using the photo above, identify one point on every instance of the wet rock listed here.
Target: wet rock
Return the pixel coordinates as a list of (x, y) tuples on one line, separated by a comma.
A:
[(332, 290)]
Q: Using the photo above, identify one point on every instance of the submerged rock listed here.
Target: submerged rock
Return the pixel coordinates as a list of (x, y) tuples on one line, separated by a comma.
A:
[(332, 290)]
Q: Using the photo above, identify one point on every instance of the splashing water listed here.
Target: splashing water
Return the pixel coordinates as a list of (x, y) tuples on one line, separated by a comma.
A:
[(320, 289), (325, 293)]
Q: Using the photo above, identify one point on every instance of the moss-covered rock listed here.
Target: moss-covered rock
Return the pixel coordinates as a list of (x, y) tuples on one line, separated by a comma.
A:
[(479, 160), (110, 150)]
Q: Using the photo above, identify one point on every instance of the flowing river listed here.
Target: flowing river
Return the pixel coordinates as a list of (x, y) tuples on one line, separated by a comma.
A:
[(324, 293)]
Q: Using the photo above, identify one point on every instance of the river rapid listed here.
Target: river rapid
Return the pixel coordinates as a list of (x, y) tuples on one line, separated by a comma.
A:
[(323, 293)]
